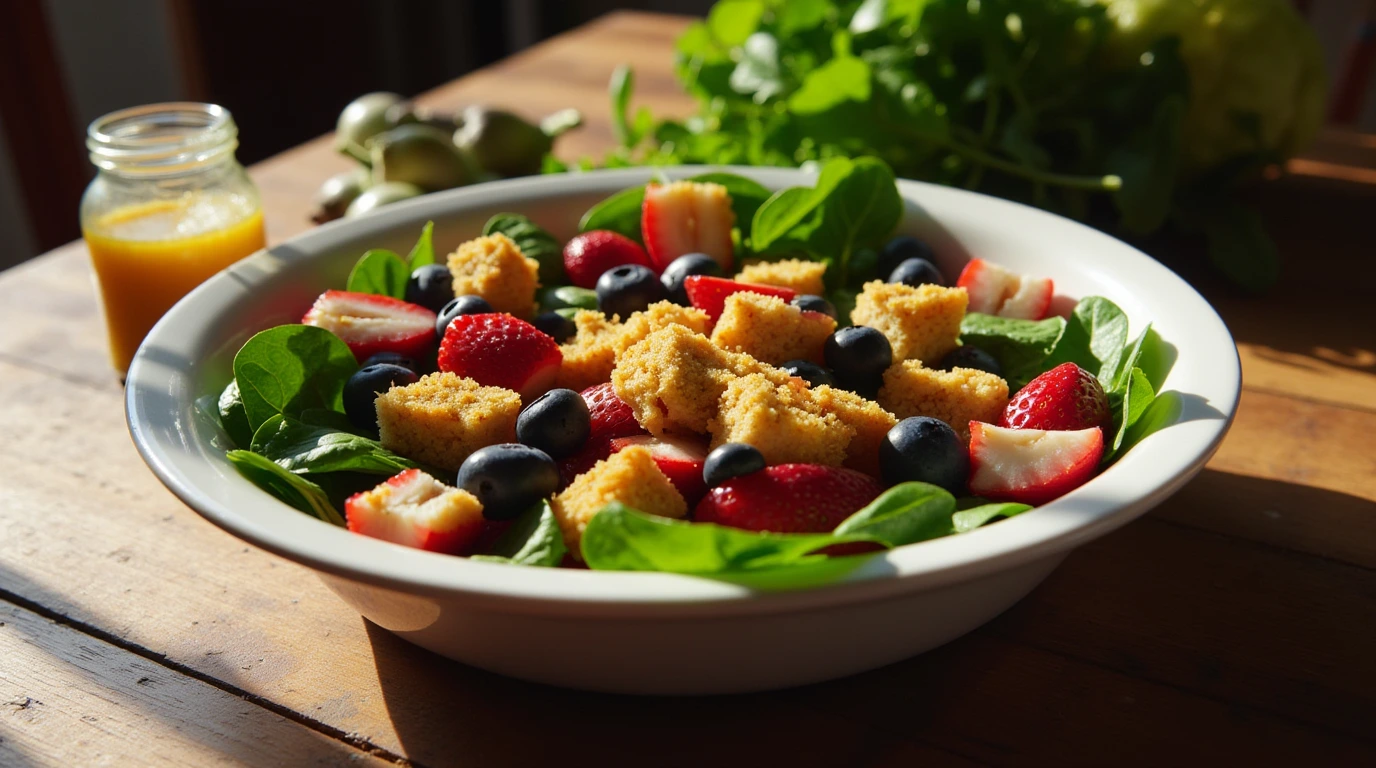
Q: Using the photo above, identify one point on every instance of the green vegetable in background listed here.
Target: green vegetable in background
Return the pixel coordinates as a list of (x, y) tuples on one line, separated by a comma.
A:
[(534, 242), (379, 195), (419, 154), (364, 118)]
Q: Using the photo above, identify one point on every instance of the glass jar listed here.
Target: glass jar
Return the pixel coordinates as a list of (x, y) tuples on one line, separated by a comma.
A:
[(169, 207)]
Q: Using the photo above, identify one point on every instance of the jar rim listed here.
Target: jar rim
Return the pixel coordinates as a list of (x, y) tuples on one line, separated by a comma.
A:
[(169, 138)]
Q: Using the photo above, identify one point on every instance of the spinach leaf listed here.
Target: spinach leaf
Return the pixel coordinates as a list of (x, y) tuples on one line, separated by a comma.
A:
[(1020, 346), (324, 417), (381, 272), (621, 86), (290, 368), (906, 513), (967, 520), (1161, 413), (304, 449), (423, 252), (1128, 361), (534, 242), (533, 539), (293, 490), (1094, 339), (568, 296), (618, 213), (1133, 401), (233, 417), (732, 21)]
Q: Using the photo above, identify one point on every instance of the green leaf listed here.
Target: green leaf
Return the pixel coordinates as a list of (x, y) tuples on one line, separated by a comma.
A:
[(904, 514), (293, 490), (381, 272), (618, 213), (795, 16), (233, 417), (534, 538), (423, 252), (534, 242), (1128, 361), (1240, 248), (968, 520), (776, 220), (621, 87), (568, 296), (834, 83), (305, 449), (862, 209), (290, 368), (757, 73), (1149, 167), (1094, 339), (1162, 412), (1133, 401), (732, 21), (1020, 346), (870, 16)]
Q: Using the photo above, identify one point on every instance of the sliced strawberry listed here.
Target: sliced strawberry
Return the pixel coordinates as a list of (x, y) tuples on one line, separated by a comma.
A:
[(988, 284), (1031, 466), (590, 254), (789, 498), (687, 217), (680, 460), (416, 510), (1031, 300), (370, 323), (499, 350), (1066, 397), (595, 450), (611, 416), (709, 293)]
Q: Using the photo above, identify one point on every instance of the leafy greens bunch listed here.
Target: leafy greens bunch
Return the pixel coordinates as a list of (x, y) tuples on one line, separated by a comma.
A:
[(1026, 99)]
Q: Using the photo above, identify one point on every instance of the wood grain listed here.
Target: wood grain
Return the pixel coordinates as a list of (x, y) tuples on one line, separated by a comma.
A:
[(67, 699)]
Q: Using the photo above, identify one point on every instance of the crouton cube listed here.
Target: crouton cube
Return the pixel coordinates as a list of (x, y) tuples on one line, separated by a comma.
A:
[(442, 418), (591, 353), (771, 330), (869, 420), (661, 314), (781, 421), (920, 323), (957, 396), (494, 268), (629, 476), (799, 275)]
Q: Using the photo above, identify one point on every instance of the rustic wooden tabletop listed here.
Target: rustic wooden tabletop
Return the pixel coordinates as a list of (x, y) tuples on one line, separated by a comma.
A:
[(1233, 625)]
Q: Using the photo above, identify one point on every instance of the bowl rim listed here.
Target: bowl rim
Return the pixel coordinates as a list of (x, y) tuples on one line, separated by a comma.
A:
[(1142, 478)]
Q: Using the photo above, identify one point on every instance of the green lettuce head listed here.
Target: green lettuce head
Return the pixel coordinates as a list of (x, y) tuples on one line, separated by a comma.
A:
[(1257, 85)]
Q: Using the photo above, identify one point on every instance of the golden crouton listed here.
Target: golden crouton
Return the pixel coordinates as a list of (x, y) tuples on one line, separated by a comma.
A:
[(658, 315), (494, 268), (957, 396), (591, 353), (442, 418), (795, 274), (920, 323), (780, 421), (770, 330), (629, 476), (870, 422)]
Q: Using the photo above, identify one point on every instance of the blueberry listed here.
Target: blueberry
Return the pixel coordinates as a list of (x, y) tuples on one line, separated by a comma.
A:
[(431, 286), (926, 450), (858, 357), (392, 358), (556, 325), (683, 267), (731, 460), (971, 357), (626, 289), (810, 303), (365, 385), (557, 422), (915, 272), (812, 373), (508, 478), (460, 305), (900, 249)]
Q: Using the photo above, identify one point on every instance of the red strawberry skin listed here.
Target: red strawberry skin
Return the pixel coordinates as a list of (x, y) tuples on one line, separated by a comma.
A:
[(370, 323), (789, 498), (590, 254), (595, 450), (1028, 477), (1066, 397), (499, 350), (709, 293), (371, 513), (611, 417), (687, 217), (680, 460)]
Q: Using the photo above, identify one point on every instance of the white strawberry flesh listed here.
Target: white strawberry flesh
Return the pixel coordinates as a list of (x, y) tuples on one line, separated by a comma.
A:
[(1031, 300), (994, 290), (416, 510), (680, 460), (1031, 466), (370, 324), (687, 217)]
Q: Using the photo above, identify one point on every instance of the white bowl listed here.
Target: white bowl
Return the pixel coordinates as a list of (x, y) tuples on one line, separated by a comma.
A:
[(654, 633)]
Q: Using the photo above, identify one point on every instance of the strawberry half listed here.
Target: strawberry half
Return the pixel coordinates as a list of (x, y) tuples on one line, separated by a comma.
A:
[(611, 417), (1066, 397), (789, 498), (416, 510), (994, 290), (1031, 300), (595, 450), (590, 254), (499, 350), (1031, 466), (687, 217), (709, 293), (370, 323), (680, 460)]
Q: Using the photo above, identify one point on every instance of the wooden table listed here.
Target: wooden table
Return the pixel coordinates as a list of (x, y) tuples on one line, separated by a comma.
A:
[(1235, 624)]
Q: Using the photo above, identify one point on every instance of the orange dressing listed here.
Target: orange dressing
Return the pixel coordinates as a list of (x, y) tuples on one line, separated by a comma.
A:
[(147, 256)]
